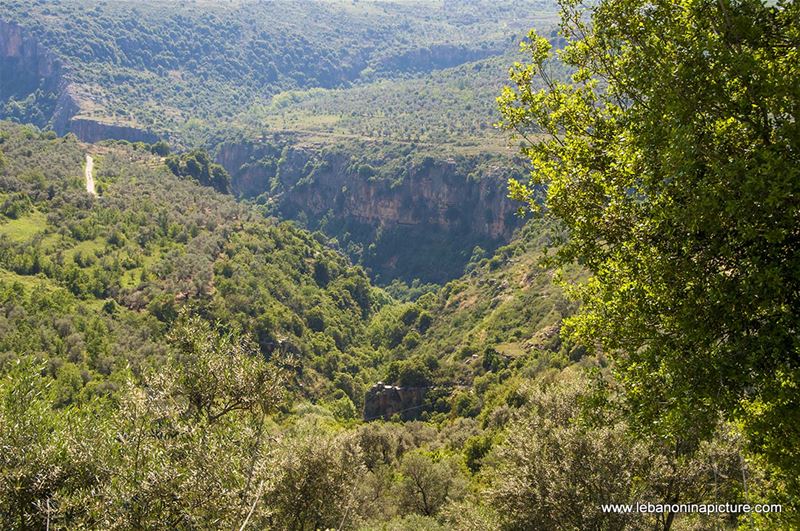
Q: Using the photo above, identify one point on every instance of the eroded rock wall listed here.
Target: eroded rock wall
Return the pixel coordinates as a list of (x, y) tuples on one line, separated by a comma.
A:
[(31, 78), (385, 401), (35, 88), (419, 219), (94, 131)]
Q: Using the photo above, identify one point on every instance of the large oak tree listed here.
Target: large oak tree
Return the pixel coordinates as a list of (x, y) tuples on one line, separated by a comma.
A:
[(673, 157)]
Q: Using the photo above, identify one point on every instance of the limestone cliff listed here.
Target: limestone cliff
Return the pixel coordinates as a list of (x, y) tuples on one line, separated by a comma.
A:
[(413, 217), (384, 401), (94, 130), (33, 60), (31, 78), (35, 87)]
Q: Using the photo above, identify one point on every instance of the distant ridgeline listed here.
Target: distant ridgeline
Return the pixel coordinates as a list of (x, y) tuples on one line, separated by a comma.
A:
[(174, 69), (385, 144)]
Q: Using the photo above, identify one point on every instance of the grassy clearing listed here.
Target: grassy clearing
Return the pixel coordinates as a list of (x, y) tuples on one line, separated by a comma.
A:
[(87, 247), (28, 282), (24, 228)]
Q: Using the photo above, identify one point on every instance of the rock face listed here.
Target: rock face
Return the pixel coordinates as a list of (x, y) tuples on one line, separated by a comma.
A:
[(94, 131), (432, 193), (21, 50), (419, 218), (35, 88), (66, 107), (384, 401), (31, 77)]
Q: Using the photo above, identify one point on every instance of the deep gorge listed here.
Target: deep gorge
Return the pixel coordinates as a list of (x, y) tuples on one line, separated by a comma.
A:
[(402, 216)]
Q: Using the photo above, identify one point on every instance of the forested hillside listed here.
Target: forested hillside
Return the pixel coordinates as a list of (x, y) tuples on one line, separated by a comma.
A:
[(150, 244), (163, 345), (369, 99), (300, 265), (171, 68)]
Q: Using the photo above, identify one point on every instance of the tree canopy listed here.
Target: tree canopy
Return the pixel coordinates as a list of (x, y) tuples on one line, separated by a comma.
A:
[(672, 158)]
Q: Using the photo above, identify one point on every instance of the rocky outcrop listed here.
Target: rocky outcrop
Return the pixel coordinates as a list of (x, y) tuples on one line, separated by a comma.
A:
[(31, 77), (93, 131), (384, 401), (420, 218), (432, 193), (66, 107), (35, 83)]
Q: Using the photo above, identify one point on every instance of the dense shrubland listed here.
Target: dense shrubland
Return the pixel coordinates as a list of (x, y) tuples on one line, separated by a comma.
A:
[(173, 359), (179, 67), (209, 439), (152, 243), (197, 165)]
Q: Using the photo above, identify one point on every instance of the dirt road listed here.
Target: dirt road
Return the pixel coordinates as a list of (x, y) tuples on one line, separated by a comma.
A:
[(89, 177)]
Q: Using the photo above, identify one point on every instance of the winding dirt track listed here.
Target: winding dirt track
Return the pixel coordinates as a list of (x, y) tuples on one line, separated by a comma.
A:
[(89, 176)]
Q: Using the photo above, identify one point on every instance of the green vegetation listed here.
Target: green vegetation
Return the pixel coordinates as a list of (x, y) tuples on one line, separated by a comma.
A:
[(153, 243), (165, 346), (501, 318), (183, 69), (24, 228), (387, 85), (171, 358), (680, 198), (453, 107), (400, 210), (197, 165)]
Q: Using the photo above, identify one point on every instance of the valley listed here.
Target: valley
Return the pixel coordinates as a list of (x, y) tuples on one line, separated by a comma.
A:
[(399, 211), (415, 202), (395, 265)]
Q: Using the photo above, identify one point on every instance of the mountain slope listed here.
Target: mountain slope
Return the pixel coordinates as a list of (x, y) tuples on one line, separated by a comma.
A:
[(150, 245), (128, 69), (119, 269)]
